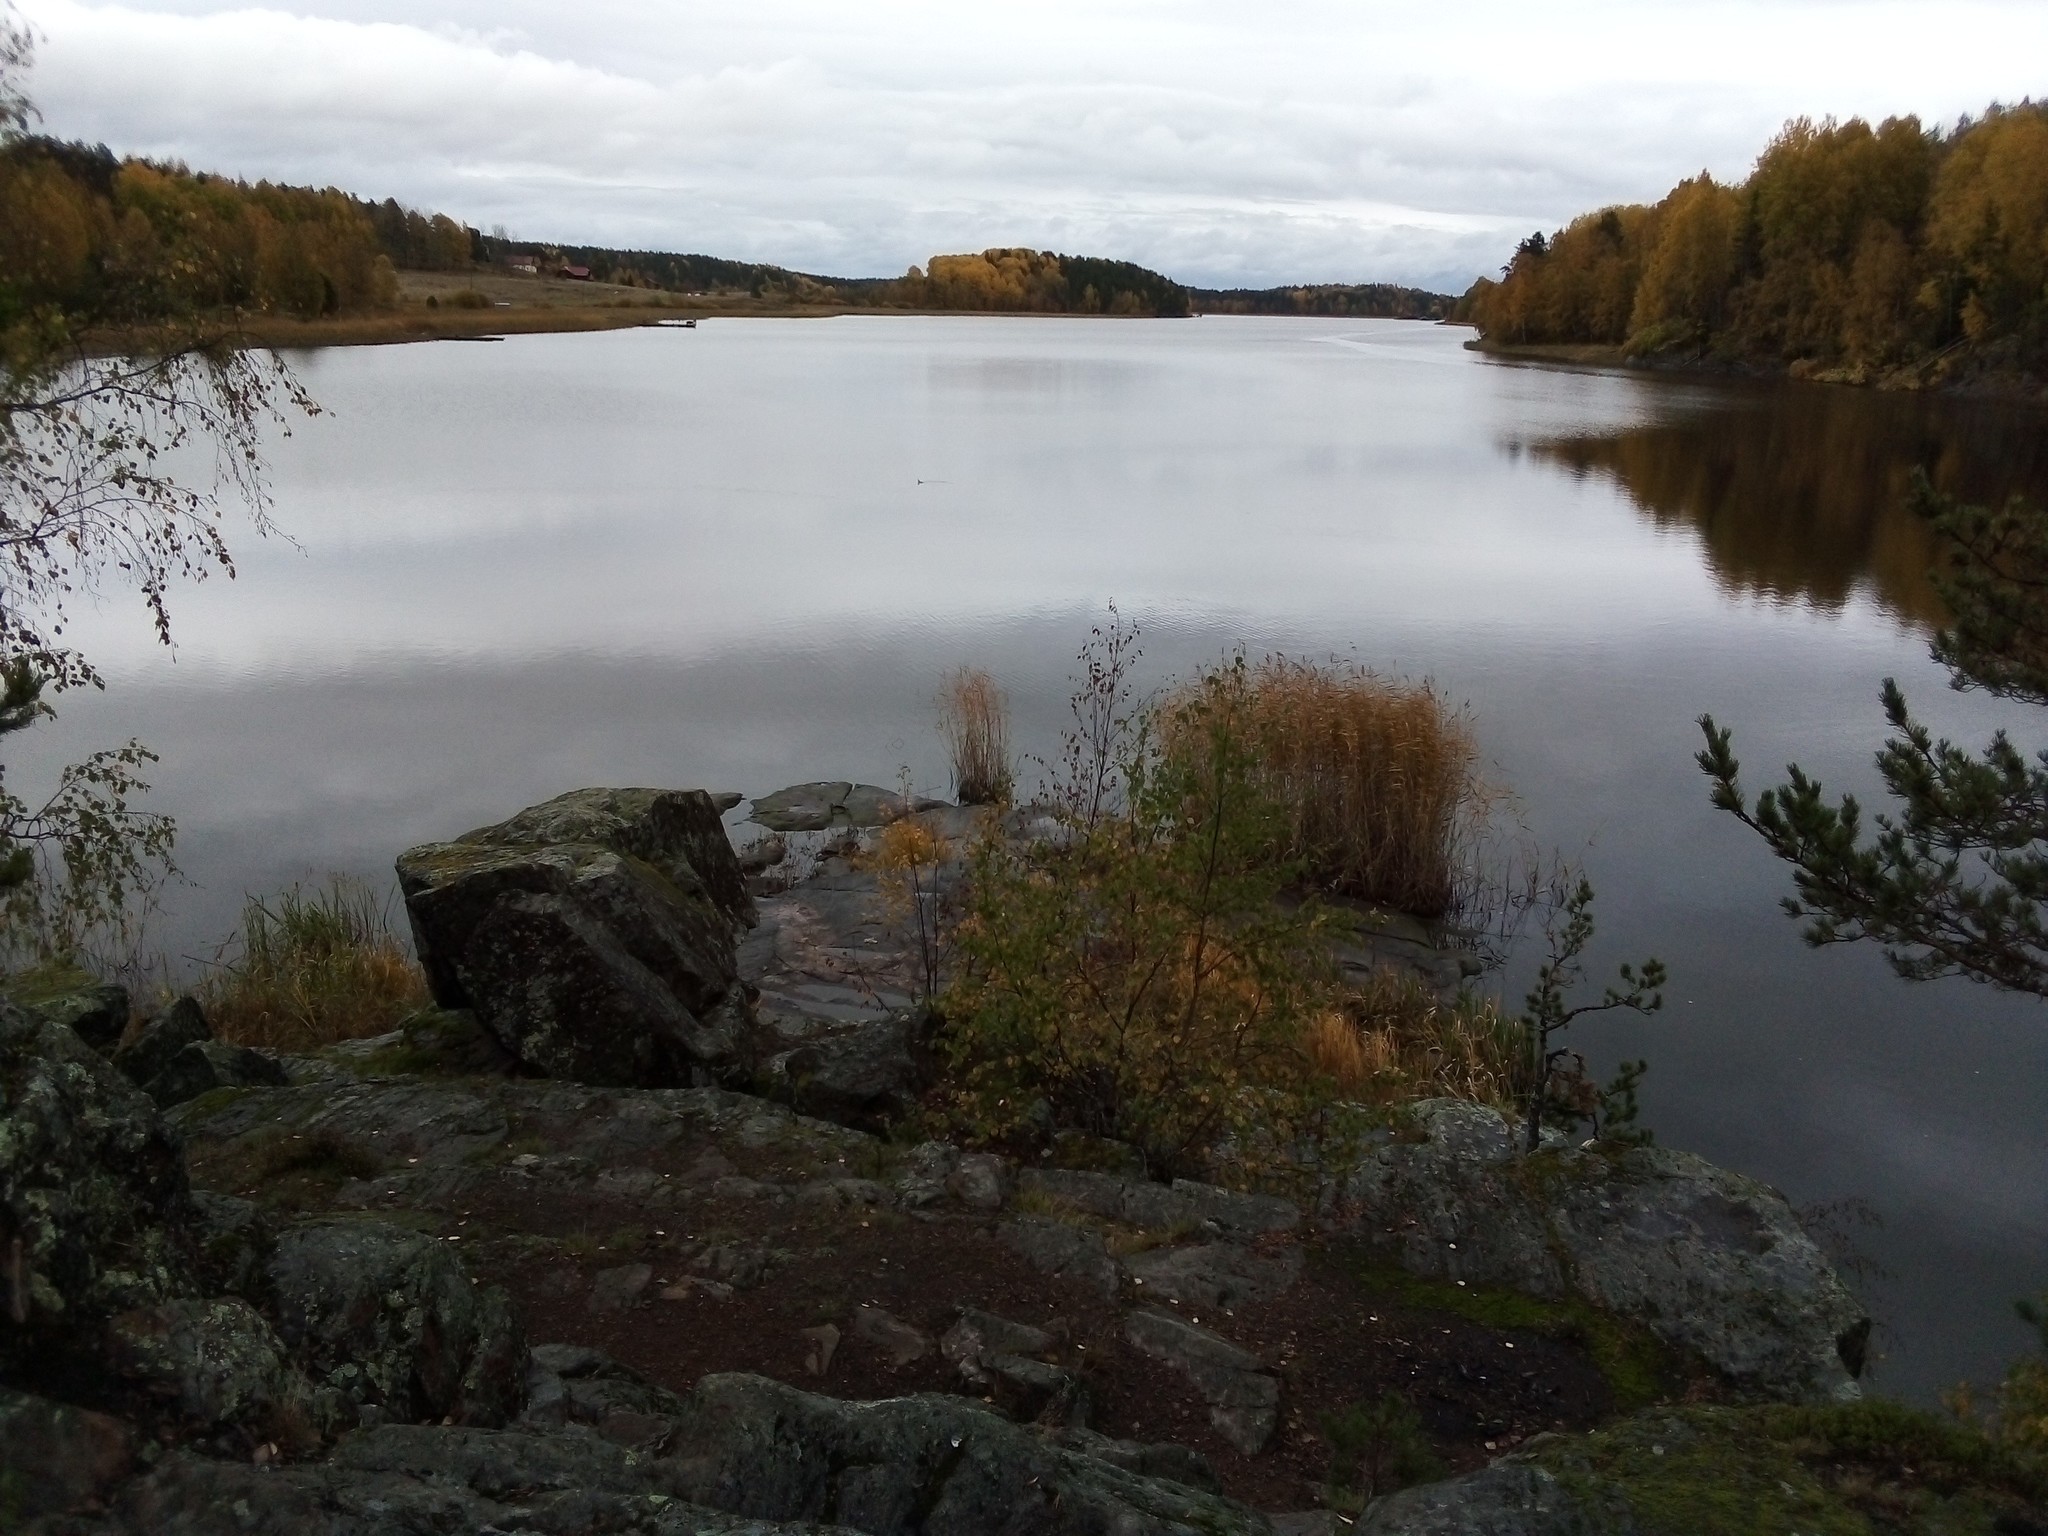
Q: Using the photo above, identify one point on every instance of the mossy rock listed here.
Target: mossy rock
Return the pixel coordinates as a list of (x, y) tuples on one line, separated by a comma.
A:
[(1639, 1368), (68, 994), (1838, 1470), (1856, 1469), (434, 1042)]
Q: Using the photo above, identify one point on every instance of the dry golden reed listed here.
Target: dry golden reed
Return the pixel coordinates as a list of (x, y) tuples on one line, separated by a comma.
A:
[(315, 967), (976, 718), (1394, 1040), (1375, 778)]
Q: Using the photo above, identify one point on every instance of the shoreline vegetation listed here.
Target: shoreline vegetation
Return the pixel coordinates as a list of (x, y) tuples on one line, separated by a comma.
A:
[(1900, 256), (123, 249)]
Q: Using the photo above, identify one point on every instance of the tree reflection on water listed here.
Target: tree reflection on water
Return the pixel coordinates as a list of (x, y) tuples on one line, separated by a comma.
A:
[(1798, 491)]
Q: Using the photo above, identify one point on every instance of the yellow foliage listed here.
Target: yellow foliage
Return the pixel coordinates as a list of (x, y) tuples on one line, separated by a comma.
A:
[(1013, 279), (1691, 262), (1847, 244), (75, 227), (1990, 212)]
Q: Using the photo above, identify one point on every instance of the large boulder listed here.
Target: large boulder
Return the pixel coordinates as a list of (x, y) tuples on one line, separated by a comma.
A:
[(390, 1319), (593, 936), (209, 1064), (1713, 1263), (678, 831), (93, 1197), (866, 1074), (161, 1039), (217, 1365)]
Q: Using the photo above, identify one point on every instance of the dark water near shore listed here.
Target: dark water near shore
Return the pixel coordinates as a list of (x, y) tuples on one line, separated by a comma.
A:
[(746, 554)]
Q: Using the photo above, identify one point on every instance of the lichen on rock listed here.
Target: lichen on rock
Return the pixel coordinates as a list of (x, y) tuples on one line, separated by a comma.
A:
[(93, 1200), (1714, 1263)]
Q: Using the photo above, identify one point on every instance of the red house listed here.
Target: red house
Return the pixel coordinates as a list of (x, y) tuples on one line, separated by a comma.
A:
[(577, 274)]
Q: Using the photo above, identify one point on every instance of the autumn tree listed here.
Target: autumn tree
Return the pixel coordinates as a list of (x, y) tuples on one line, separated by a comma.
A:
[(1848, 247), (88, 432)]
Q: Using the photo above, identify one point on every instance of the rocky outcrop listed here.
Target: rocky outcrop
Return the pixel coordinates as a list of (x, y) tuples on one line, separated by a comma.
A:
[(93, 1201), (217, 1365), (1184, 1205), (602, 1451), (390, 1319), (1506, 1499), (1220, 1277), (96, 1011), (1712, 1262), (159, 1039), (593, 936), (829, 803), (865, 1076), (57, 1456), (1003, 1360), (935, 1465), (1243, 1398), (174, 1057)]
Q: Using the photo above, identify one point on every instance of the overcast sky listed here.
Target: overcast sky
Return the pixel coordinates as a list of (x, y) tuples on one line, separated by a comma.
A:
[(1294, 140)]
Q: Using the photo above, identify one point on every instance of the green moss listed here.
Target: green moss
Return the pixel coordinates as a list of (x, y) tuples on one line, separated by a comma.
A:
[(283, 1170), (1639, 1367), (434, 1042), (49, 982), (1854, 1470), (210, 1103)]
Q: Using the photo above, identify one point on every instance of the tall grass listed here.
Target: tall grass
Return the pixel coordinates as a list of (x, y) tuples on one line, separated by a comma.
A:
[(315, 967), (976, 718), (1374, 778), (1395, 1040)]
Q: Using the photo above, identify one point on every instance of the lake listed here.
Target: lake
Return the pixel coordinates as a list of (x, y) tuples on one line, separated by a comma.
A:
[(744, 555)]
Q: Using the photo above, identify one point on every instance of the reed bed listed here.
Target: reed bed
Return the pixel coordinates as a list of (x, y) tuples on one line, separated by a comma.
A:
[(975, 716), (1394, 1041), (1375, 778), (315, 967)]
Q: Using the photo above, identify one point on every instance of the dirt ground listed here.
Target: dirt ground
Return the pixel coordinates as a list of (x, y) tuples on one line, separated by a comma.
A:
[(1333, 1342)]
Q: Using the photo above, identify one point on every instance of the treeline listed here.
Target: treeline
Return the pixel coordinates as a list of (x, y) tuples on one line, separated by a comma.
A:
[(107, 242), (1364, 301), (1017, 279), (1848, 247), (669, 270), (123, 242), (422, 242)]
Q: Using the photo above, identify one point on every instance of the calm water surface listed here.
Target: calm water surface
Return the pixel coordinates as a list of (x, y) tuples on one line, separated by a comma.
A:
[(744, 555)]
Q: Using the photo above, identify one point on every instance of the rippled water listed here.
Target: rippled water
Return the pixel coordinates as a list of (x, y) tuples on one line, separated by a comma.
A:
[(744, 555)]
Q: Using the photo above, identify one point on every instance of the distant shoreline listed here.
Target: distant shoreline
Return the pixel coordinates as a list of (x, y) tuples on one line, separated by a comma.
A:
[(1904, 380), (446, 323)]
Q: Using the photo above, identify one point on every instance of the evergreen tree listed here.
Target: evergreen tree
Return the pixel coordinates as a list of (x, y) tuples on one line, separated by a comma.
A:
[(1954, 882)]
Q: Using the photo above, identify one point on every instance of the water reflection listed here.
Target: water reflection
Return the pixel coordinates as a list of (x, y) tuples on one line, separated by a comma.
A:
[(745, 555), (1798, 492)]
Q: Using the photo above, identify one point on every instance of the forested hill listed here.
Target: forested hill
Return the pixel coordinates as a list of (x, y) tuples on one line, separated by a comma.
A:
[(1849, 251), (79, 228), (1379, 301)]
